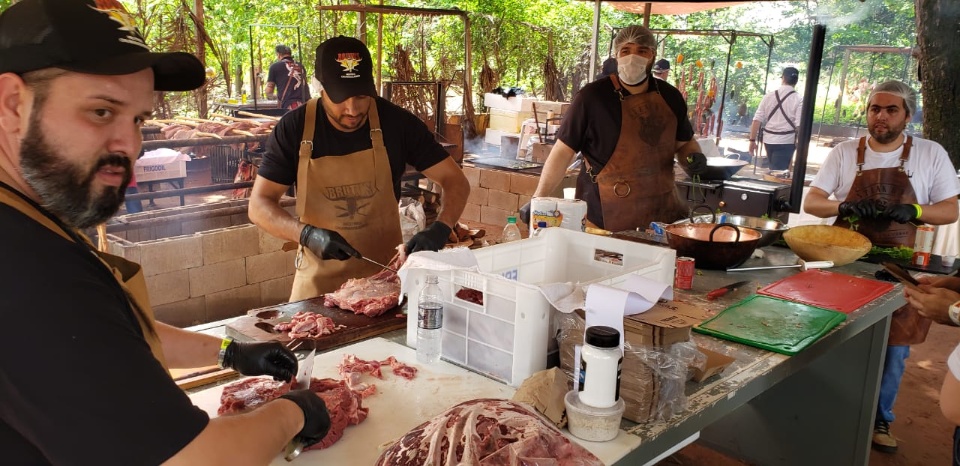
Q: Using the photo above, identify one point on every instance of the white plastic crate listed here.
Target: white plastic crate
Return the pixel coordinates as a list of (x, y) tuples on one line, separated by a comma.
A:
[(508, 337)]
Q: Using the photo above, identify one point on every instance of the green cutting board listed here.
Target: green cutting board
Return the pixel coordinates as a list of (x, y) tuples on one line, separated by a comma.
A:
[(773, 324)]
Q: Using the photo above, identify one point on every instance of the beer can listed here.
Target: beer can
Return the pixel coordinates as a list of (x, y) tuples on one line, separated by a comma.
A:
[(923, 246), (683, 280)]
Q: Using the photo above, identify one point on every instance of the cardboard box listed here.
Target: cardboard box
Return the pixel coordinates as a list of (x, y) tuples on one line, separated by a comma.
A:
[(716, 363), (160, 171), (517, 104)]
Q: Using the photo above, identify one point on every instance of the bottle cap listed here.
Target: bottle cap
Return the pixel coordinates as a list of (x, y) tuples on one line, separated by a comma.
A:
[(511, 219), (541, 224), (602, 336), (431, 278)]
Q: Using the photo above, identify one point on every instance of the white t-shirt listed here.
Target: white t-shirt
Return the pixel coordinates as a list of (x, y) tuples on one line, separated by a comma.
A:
[(931, 173), (774, 120), (953, 362)]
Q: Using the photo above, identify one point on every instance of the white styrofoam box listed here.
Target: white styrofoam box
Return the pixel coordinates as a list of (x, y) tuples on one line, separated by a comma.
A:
[(493, 136), (160, 171), (508, 336), (517, 104)]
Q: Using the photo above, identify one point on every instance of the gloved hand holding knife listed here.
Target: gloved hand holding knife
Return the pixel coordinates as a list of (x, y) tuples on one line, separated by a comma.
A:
[(316, 419)]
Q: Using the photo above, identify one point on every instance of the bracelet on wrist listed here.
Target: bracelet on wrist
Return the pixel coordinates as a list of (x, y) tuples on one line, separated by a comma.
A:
[(954, 313), (753, 140), (919, 210), (224, 344)]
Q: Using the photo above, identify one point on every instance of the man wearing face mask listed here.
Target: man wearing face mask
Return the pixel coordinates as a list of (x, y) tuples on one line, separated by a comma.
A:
[(629, 129)]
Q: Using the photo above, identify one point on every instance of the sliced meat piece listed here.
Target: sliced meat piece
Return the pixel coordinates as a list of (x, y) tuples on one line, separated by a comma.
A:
[(369, 296)]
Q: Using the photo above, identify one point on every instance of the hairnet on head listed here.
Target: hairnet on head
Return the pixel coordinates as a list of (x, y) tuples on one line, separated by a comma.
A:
[(637, 34), (898, 89)]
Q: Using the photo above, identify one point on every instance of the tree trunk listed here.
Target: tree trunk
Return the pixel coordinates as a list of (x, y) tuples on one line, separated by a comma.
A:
[(939, 41)]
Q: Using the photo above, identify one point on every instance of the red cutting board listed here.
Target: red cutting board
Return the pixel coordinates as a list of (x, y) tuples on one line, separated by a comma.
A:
[(358, 326), (843, 293)]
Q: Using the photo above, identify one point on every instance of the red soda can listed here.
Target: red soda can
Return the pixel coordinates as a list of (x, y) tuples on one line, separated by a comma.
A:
[(683, 280), (923, 246)]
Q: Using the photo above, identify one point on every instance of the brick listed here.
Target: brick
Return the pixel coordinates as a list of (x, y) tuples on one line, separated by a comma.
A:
[(478, 196), (233, 302), (230, 243), (190, 227), (523, 184), (184, 313), (523, 200), (494, 216), (217, 277), (125, 249), (494, 179), (268, 242), (473, 176), (169, 230), (471, 213), (169, 287), (263, 267), (240, 219), (276, 291), (170, 254), (503, 200)]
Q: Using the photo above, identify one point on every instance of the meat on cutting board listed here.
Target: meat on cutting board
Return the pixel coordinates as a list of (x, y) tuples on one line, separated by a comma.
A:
[(308, 325), (486, 432), (369, 296)]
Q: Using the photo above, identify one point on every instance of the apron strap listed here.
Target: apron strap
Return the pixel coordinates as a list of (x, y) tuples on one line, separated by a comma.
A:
[(861, 155), (306, 151), (906, 152), (376, 138)]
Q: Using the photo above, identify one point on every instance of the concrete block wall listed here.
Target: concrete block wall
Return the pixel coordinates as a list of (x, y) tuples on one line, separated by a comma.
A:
[(498, 194), (211, 275)]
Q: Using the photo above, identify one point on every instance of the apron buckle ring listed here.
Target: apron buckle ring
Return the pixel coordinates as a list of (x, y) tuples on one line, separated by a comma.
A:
[(298, 261), (617, 189)]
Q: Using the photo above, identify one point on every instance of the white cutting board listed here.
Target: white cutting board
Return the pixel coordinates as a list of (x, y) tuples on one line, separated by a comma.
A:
[(398, 406)]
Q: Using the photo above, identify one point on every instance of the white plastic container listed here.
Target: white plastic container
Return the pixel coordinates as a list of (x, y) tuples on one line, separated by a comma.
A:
[(600, 363), (593, 424), (508, 336)]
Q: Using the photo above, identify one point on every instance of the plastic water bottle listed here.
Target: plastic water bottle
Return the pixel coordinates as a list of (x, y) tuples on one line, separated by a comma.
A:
[(510, 232), (429, 322)]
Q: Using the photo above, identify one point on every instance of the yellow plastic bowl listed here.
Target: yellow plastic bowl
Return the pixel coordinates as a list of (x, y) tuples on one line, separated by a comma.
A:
[(827, 243)]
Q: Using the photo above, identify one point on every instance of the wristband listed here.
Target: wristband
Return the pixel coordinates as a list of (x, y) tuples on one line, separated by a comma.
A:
[(954, 313), (919, 210), (224, 344), (753, 140)]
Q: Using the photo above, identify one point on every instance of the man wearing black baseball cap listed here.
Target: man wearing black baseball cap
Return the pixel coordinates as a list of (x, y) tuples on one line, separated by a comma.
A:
[(347, 151), (775, 122), (77, 82)]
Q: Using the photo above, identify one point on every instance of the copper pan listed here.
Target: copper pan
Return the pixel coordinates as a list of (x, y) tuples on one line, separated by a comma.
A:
[(713, 246)]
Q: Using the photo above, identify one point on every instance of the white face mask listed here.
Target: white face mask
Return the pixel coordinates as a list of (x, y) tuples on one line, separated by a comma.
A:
[(632, 69)]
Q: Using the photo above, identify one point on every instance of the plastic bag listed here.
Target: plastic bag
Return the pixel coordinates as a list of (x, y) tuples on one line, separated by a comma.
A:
[(412, 218)]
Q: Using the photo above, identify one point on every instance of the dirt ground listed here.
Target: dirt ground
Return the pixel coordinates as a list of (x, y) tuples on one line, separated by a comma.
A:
[(924, 436)]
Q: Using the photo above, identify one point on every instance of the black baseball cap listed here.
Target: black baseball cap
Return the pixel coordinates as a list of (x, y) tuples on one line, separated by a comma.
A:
[(87, 36), (661, 65), (344, 68), (791, 72)]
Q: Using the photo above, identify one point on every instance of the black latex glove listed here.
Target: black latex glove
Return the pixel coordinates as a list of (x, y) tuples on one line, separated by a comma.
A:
[(433, 238), (863, 208), (901, 213), (316, 419), (270, 358), (525, 213), (696, 163), (327, 244)]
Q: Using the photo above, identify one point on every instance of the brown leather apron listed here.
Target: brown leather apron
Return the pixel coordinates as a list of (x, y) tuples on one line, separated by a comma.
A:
[(891, 186), (637, 184), (128, 274), (351, 194)]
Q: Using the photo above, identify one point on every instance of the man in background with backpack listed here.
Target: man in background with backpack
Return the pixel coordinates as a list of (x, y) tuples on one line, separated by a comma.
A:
[(287, 78), (779, 115)]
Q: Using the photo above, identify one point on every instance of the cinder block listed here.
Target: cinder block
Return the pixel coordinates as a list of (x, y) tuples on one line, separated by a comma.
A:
[(233, 302), (268, 242), (494, 179), (523, 184), (473, 176), (184, 313), (478, 196), (217, 277), (494, 216), (230, 243), (170, 254), (169, 287), (240, 219), (276, 291), (471, 213), (169, 230), (123, 248), (263, 267), (190, 227), (503, 200)]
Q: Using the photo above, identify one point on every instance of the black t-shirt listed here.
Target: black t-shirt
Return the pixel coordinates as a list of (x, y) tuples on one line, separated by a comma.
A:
[(407, 139), (78, 383), (285, 71), (592, 126)]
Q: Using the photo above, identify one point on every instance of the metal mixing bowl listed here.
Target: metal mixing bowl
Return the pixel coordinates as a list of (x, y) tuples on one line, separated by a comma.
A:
[(770, 229)]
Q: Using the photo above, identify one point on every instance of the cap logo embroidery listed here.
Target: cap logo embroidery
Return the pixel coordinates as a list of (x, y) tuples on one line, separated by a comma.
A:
[(115, 11), (349, 61)]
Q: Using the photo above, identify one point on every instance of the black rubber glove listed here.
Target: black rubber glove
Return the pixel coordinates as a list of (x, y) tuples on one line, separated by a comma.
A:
[(433, 238), (696, 163), (525, 213), (901, 213), (863, 208), (270, 358), (327, 244), (316, 419)]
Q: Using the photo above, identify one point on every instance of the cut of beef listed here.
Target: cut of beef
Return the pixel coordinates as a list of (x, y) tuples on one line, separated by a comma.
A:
[(308, 325), (352, 368), (369, 296), (249, 393), (487, 432)]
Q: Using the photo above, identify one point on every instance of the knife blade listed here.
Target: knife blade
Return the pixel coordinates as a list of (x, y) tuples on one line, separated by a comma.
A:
[(726, 289), (377, 264), (304, 373)]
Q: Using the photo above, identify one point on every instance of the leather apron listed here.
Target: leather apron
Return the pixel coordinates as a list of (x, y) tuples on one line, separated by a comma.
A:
[(129, 275), (891, 186), (351, 194), (637, 184)]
